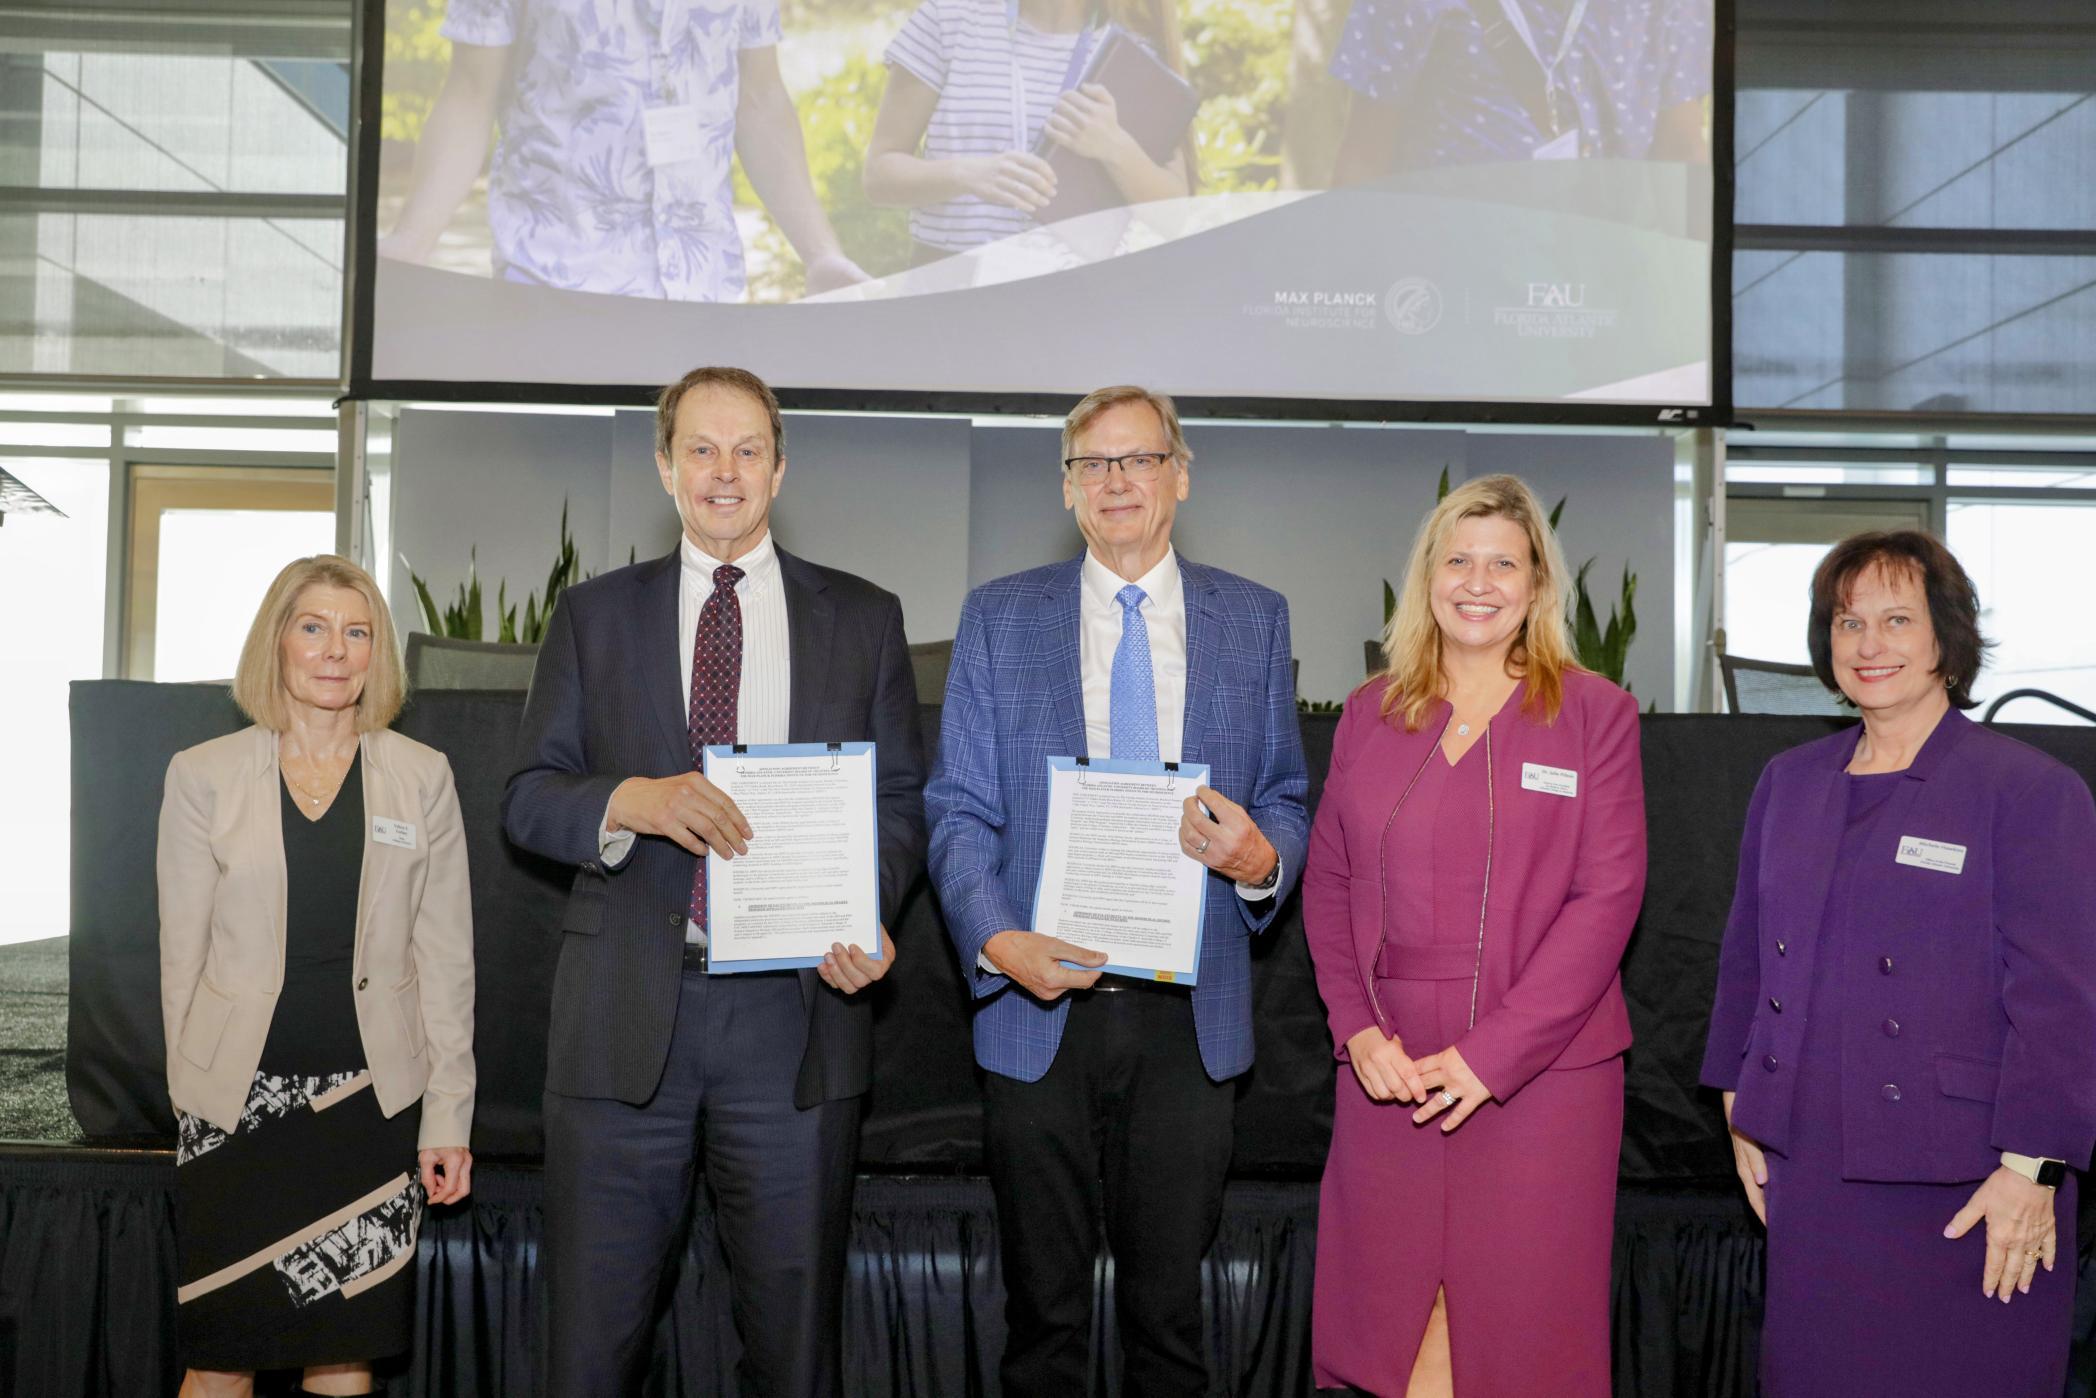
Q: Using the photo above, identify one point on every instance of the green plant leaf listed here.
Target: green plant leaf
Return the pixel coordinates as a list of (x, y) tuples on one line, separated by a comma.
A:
[(1441, 490), (473, 600), (1557, 511), (1389, 603), (432, 619), (1586, 632)]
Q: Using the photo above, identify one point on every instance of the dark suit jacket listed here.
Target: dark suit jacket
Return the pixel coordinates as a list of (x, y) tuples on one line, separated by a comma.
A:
[(604, 707)]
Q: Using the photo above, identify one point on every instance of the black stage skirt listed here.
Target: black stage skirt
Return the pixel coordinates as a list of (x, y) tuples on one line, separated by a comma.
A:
[(296, 1233)]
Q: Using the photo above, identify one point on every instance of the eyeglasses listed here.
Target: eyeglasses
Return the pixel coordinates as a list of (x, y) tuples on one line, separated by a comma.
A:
[(1136, 466)]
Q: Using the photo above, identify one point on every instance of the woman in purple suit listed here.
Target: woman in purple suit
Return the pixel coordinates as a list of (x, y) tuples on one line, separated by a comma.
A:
[(1473, 874), (1905, 1027)]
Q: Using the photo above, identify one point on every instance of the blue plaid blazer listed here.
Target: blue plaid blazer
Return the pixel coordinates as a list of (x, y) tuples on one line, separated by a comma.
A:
[(1014, 698)]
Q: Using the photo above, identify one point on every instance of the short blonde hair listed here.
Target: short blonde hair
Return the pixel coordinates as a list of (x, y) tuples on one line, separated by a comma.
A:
[(1100, 399), (1542, 649), (258, 685)]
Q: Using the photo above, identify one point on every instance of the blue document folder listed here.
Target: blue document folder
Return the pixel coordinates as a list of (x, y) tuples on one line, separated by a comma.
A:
[(710, 759), (1191, 774)]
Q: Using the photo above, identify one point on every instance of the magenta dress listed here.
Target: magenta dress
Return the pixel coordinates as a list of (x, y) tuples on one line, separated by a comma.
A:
[(1513, 1212)]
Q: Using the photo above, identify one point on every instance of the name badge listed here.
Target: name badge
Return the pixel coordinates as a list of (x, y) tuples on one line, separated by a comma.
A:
[(397, 833), (671, 134), (1552, 781), (1931, 854)]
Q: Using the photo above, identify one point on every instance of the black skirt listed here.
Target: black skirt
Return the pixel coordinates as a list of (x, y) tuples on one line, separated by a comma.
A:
[(296, 1233)]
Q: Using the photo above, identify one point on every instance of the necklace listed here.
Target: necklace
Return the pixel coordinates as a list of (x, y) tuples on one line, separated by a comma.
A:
[(301, 789), (306, 791), (1462, 730)]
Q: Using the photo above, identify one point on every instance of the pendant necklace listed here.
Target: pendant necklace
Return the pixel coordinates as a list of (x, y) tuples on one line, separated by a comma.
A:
[(300, 788), (306, 791)]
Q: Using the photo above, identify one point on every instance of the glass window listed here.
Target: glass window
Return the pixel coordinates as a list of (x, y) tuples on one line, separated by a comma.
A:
[(1771, 548), (215, 566), (179, 212), (45, 644), (2024, 476), (1768, 592), (2035, 572), (205, 542), (1755, 469), (1907, 213)]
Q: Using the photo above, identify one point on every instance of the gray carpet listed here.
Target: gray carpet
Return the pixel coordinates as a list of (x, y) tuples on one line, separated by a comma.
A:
[(32, 1043)]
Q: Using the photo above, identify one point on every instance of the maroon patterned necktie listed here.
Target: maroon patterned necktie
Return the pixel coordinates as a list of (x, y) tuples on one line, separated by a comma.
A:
[(716, 684)]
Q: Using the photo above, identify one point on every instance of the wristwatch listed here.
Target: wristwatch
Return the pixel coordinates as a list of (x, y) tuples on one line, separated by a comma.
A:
[(1273, 876), (2039, 1169)]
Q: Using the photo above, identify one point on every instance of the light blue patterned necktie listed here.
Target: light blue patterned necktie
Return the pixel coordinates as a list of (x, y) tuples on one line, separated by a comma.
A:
[(1132, 702)]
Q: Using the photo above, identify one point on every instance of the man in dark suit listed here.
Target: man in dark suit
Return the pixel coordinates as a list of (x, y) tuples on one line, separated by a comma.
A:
[(661, 1081)]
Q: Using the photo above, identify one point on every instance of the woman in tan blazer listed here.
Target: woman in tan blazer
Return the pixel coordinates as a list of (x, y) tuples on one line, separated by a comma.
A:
[(316, 983)]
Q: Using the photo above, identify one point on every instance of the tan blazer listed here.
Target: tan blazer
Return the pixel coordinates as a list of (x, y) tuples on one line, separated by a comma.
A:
[(222, 900)]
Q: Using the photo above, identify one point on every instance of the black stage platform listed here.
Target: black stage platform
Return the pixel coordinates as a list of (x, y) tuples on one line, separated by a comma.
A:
[(86, 1261)]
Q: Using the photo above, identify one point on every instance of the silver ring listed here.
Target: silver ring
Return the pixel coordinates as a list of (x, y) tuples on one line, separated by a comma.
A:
[(1201, 848), (1448, 1099)]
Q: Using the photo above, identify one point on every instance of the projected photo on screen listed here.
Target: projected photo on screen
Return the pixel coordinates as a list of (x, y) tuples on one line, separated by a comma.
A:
[(1438, 200)]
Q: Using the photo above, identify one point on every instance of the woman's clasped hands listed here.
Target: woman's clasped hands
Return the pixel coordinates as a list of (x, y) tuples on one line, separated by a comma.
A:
[(1439, 1082)]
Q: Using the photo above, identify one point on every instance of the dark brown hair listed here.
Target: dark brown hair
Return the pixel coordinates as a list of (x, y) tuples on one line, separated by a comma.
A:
[(1954, 603), (717, 376)]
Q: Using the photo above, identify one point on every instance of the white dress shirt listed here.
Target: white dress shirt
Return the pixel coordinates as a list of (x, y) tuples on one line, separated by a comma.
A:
[(1100, 622), (764, 697)]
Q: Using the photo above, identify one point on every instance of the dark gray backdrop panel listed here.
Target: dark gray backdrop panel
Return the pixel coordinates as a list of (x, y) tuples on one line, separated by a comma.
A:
[(924, 1111)]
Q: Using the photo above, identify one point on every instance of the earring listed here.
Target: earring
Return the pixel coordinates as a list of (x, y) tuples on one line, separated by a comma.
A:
[(1950, 681)]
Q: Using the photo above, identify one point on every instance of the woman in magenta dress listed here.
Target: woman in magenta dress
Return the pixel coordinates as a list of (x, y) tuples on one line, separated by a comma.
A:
[(1905, 1021), (1474, 872)]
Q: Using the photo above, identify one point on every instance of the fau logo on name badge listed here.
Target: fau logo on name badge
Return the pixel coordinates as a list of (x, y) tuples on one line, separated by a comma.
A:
[(1943, 857)]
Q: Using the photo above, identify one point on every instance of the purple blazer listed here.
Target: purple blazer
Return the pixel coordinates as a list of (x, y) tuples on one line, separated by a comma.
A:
[(1969, 997), (1562, 889)]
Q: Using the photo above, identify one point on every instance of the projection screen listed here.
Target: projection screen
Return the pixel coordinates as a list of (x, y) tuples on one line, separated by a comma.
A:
[(1340, 206)]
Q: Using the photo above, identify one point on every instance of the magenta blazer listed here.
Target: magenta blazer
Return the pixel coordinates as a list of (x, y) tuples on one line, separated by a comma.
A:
[(1561, 893), (1968, 993)]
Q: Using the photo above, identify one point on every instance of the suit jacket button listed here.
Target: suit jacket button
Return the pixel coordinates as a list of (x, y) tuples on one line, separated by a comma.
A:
[(676, 919), (589, 867), (1884, 965), (1892, 1029), (1782, 948), (363, 981), (1775, 1004), (1890, 1092), (1769, 1062)]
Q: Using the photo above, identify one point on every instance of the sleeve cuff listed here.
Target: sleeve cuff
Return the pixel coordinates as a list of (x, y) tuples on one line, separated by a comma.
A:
[(612, 847), (1258, 892)]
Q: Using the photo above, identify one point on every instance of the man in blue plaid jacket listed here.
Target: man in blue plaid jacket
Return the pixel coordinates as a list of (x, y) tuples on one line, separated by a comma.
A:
[(1113, 1097)]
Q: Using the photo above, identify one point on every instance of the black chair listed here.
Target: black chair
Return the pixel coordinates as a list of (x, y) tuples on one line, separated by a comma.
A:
[(1771, 687), (929, 662), (441, 662), (2048, 696)]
